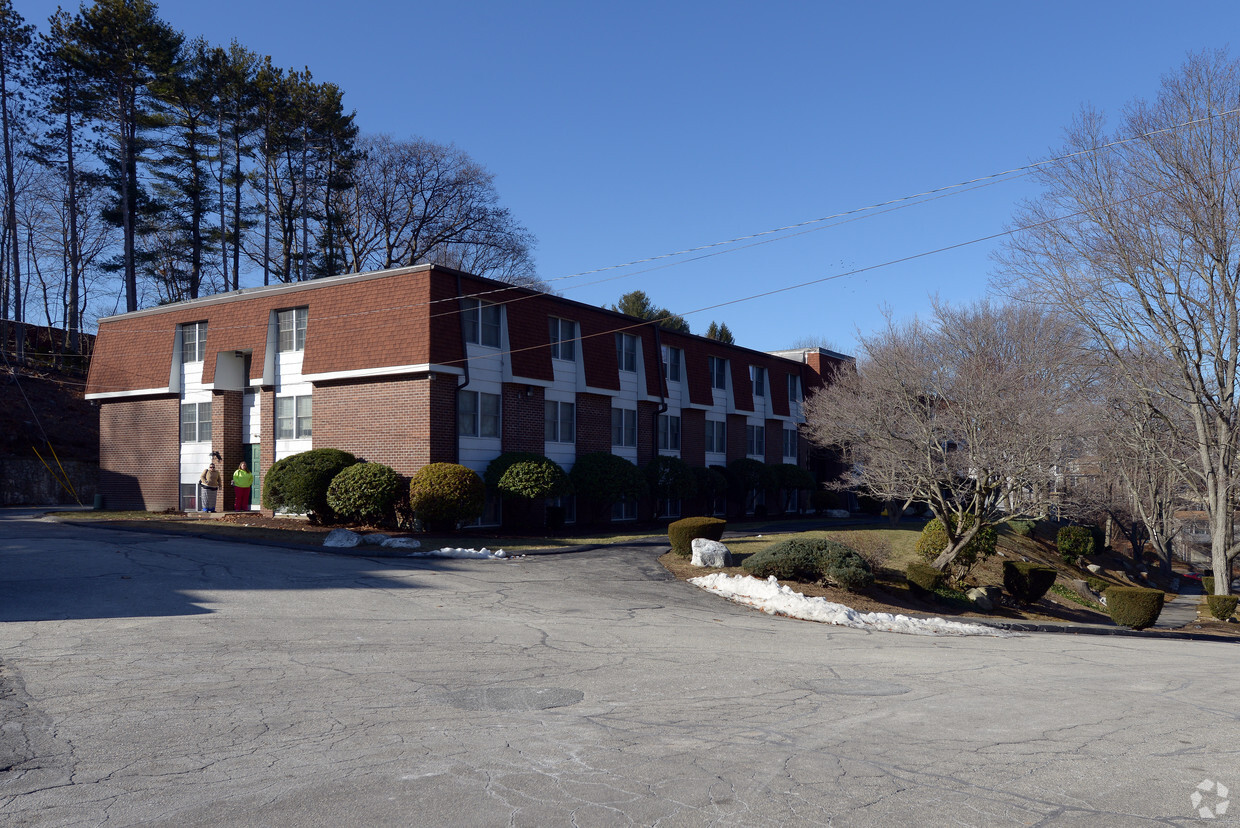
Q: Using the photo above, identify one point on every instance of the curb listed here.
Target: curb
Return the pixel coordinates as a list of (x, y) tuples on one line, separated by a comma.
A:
[(1090, 629)]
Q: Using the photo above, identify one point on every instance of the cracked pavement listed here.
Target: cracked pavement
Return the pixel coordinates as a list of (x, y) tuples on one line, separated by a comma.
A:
[(152, 680)]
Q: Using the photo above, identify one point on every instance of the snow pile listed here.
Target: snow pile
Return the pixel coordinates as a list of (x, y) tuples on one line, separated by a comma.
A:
[(769, 596), (452, 552)]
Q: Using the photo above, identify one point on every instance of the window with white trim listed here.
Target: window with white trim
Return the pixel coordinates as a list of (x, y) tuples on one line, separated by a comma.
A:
[(480, 322), (624, 509), (718, 369), (477, 414), (626, 352), (716, 436), (624, 427), (671, 363), (755, 440), (196, 422), (559, 422), (293, 417), (790, 442), (757, 376), (669, 432), (667, 507), (193, 341), (566, 502), (563, 338), (291, 329)]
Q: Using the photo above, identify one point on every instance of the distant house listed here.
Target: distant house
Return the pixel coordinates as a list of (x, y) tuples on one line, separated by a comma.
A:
[(419, 365)]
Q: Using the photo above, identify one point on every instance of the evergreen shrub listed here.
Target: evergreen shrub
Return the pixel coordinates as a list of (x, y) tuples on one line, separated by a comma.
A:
[(1135, 607), (821, 500), (364, 493), (933, 541), (444, 495), (670, 477), (682, 532), (923, 579), (1024, 528), (1027, 582), (526, 475), (1074, 543), (1207, 584), (603, 479), (1222, 607), (299, 483), (810, 561), (1098, 585)]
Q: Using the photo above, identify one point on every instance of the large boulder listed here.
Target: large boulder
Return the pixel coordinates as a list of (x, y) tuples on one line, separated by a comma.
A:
[(707, 552), (1094, 568), (342, 538), (980, 599), (375, 538)]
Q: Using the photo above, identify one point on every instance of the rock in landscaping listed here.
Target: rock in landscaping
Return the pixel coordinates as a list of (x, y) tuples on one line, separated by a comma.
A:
[(981, 599), (401, 543), (1094, 568), (707, 552), (342, 538), (375, 538)]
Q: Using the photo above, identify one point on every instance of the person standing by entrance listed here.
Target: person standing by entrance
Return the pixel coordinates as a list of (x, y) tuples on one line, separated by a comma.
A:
[(208, 486), (242, 480)]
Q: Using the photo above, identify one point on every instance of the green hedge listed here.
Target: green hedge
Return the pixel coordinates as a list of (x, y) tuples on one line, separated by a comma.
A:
[(1207, 584), (923, 579), (444, 495), (1098, 585), (1074, 543), (933, 541), (1024, 528), (682, 532), (603, 479), (746, 474), (670, 477), (526, 475), (810, 561), (1222, 607), (1135, 607), (1027, 582), (299, 483), (364, 493)]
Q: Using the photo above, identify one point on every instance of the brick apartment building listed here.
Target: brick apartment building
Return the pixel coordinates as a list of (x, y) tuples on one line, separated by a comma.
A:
[(419, 365)]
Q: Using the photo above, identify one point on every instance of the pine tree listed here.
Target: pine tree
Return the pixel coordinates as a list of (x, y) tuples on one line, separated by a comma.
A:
[(637, 303), (720, 333), (16, 37)]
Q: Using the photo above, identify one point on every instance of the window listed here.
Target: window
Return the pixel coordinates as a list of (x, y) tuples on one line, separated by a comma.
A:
[(193, 341), (716, 436), (559, 418), (563, 339), (624, 427), (568, 503), (667, 507), (480, 322), (718, 369), (477, 414), (291, 327), (794, 388), (626, 352), (671, 363), (790, 442), (755, 440), (624, 509), (757, 375), (196, 422), (293, 418), (669, 432)]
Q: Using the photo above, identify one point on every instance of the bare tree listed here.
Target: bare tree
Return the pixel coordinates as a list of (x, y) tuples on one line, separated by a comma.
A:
[(1138, 241), (416, 201), (969, 415)]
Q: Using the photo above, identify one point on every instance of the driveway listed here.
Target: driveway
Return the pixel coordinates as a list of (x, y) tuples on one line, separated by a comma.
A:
[(167, 681)]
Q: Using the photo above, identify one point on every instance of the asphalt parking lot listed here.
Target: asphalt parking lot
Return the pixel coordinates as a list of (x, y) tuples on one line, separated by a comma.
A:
[(153, 680)]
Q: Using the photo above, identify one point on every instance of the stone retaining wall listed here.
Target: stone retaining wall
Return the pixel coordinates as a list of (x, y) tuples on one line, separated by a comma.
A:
[(27, 482)]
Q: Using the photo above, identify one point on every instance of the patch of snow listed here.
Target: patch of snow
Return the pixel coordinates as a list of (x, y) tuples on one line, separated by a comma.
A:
[(401, 543), (452, 552), (773, 598)]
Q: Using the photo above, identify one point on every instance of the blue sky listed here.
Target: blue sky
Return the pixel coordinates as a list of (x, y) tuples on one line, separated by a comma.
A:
[(618, 132)]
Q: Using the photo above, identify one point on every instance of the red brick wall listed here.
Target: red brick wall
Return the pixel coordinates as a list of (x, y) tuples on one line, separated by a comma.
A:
[(593, 423), (647, 432), (738, 437), (693, 436), (774, 442), (523, 418), (139, 453), (402, 423), (226, 411)]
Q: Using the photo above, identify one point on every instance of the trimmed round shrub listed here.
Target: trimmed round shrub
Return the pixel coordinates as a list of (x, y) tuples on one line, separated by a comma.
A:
[(1027, 582), (682, 532), (299, 483), (933, 541), (1222, 607), (1024, 528), (1207, 584), (923, 579), (364, 493), (603, 478), (1135, 607), (527, 475), (810, 561), (670, 477), (444, 495), (788, 477), (1074, 543), (1098, 585), (746, 474)]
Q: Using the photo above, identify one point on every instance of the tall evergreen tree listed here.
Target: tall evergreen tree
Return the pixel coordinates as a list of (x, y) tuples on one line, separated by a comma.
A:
[(637, 303), (123, 47), (16, 37), (719, 332)]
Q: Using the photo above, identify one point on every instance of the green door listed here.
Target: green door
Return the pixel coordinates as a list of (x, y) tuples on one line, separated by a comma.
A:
[(252, 454)]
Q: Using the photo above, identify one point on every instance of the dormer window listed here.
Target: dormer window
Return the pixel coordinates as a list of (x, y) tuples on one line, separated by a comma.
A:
[(480, 322), (291, 327), (193, 341)]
